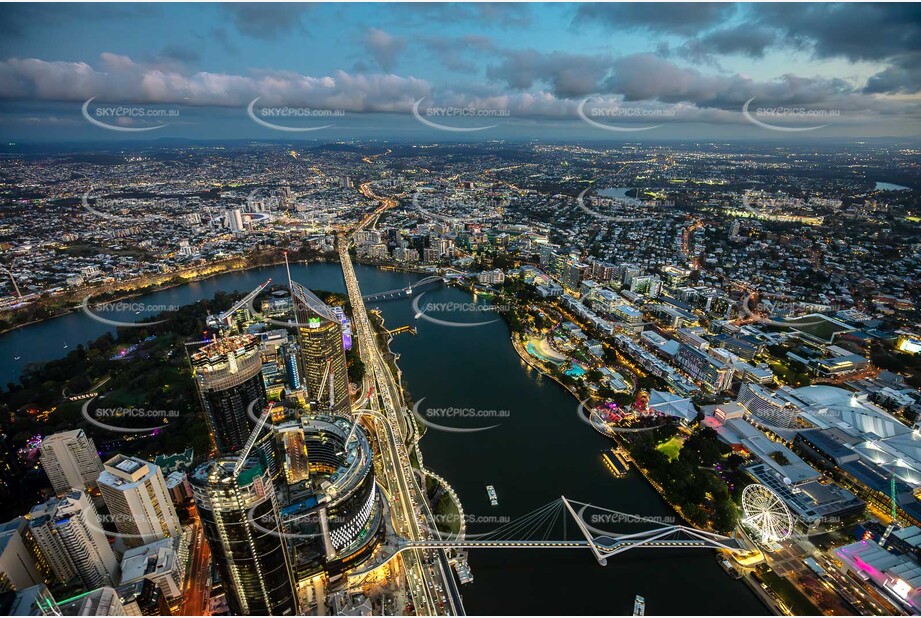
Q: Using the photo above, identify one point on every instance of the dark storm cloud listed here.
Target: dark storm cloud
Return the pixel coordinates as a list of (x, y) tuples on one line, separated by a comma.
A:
[(693, 51), (878, 32), (888, 33), (742, 39), (266, 21), (17, 19), (685, 18), (903, 77), (854, 31), (746, 40), (383, 47), (569, 75)]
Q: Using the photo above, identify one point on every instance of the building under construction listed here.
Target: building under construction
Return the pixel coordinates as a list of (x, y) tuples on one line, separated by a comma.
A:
[(322, 353), (228, 373)]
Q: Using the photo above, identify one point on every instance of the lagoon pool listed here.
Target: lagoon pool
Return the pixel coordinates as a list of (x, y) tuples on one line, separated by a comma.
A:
[(576, 371)]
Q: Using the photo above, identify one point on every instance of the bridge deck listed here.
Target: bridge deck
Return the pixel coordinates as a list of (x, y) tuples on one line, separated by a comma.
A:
[(606, 546)]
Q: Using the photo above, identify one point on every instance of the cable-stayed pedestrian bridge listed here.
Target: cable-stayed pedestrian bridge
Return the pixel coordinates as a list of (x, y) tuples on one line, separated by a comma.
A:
[(542, 527)]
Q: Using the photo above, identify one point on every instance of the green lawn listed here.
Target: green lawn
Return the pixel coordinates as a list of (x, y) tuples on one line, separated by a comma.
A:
[(816, 325), (671, 447)]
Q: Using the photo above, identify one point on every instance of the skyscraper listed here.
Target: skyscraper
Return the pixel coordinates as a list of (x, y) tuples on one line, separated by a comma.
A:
[(228, 373), (229, 378), (70, 460), (135, 493), (242, 524), (17, 563), (100, 602), (69, 532), (323, 366), (234, 217)]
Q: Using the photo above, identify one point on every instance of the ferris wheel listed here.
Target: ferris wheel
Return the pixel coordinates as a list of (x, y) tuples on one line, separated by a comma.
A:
[(766, 514)]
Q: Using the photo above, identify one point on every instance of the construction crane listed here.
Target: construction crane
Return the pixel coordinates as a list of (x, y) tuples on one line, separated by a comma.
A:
[(348, 438), (222, 321), (326, 374), (252, 439), (894, 522)]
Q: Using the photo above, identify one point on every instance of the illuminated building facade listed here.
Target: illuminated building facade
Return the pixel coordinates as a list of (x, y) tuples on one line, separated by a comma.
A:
[(297, 466), (229, 379), (322, 353), (898, 577), (70, 460), (228, 373), (137, 498), (766, 406), (17, 559), (334, 517), (242, 525), (714, 375), (69, 532)]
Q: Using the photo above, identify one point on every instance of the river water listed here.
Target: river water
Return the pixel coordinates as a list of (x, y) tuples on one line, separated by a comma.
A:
[(539, 452)]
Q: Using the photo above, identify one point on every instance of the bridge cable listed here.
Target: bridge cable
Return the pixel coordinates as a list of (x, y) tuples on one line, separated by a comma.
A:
[(526, 525)]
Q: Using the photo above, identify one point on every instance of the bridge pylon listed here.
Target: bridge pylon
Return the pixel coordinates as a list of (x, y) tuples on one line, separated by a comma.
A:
[(602, 560), (608, 544)]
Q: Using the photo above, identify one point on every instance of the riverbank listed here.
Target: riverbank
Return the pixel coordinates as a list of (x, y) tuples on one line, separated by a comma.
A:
[(526, 357), (237, 264), (109, 293), (64, 305)]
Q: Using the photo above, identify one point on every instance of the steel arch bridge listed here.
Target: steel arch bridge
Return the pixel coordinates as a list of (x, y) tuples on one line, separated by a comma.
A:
[(402, 292)]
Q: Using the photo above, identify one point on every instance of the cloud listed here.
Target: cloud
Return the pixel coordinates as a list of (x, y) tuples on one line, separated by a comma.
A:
[(179, 53), (19, 19), (527, 83), (744, 39), (483, 14), (266, 21), (887, 33), (504, 13), (650, 78), (684, 18), (645, 77), (902, 77), (118, 79), (856, 31), (569, 75), (453, 52), (385, 47)]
